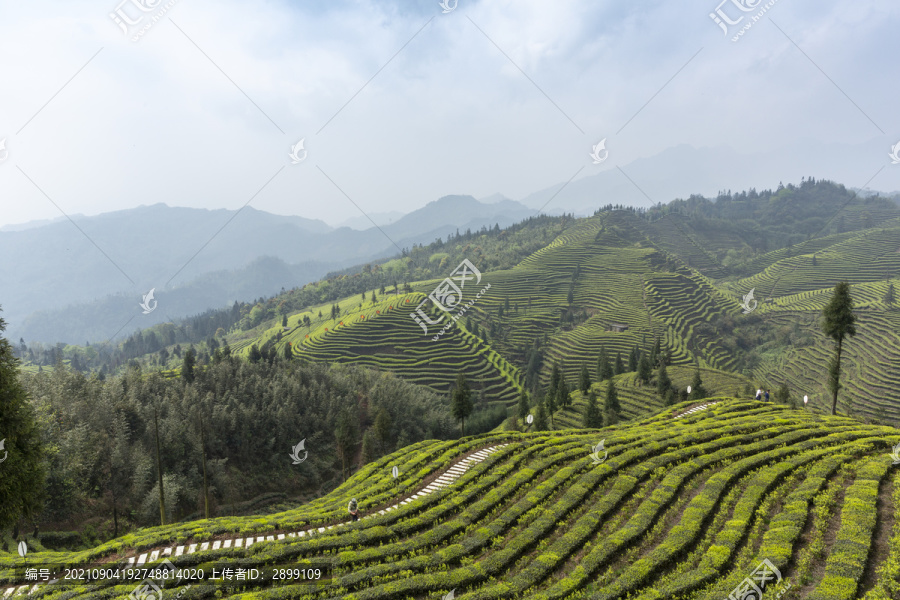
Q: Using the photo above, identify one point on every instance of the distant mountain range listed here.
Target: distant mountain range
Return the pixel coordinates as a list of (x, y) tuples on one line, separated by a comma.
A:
[(363, 222), (683, 170), (72, 283), (175, 249)]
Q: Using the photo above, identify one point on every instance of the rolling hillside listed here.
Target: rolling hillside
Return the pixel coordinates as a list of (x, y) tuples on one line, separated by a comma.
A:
[(383, 336), (602, 270), (678, 505), (676, 273)]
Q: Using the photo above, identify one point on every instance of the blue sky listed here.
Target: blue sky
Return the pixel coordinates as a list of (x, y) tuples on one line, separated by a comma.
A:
[(493, 97)]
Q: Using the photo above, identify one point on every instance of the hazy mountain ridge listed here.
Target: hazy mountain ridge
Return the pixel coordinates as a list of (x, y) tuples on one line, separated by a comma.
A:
[(150, 244), (683, 170)]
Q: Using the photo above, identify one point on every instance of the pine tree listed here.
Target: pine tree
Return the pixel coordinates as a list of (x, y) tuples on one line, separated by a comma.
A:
[(383, 426), (604, 370), (540, 419), (187, 365), (284, 321), (889, 294), (555, 378), (838, 323), (462, 401), (620, 366), (655, 354), (585, 383), (254, 356), (159, 469), (783, 395), (563, 399), (551, 408), (203, 454), (369, 444), (592, 418), (698, 392), (663, 383), (644, 369), (633, 359), (346, 434), (612, 398), (670, 397), (523, 405)]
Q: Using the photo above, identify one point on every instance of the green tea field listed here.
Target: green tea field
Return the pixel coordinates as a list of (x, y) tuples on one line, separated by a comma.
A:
[(737, 494)]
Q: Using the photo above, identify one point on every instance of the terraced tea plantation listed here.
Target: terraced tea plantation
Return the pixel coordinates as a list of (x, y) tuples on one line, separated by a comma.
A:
[(706, 500), (383, 336)]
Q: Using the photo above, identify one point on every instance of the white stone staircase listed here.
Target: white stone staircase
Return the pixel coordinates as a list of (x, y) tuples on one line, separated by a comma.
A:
[(451, 475), (695, 409)]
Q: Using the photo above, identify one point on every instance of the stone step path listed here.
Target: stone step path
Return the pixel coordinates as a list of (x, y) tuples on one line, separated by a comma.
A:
[(695, 409), (449, 476)]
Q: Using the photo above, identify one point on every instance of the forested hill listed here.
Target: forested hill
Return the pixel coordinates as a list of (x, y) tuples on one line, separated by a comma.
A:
[(230, 427), (677, 273)]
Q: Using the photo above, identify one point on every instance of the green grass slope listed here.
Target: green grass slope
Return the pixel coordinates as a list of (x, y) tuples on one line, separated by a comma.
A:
[(675, 508)]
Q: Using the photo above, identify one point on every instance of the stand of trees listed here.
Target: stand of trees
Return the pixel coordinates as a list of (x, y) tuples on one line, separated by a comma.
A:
[(224, 437), (21, 452)]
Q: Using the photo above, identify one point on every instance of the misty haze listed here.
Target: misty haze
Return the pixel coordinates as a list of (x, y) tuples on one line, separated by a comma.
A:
[(450, 299)]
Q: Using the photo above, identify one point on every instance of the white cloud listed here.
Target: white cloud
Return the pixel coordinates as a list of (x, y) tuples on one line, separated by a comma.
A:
[(157, 121)]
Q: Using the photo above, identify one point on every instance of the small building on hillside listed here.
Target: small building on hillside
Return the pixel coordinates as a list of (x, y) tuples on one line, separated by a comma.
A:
[(617, 327)]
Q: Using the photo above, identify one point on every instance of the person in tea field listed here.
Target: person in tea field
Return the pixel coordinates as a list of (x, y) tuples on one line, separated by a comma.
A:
[(353, 509), (767, 395), (758, 395)]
